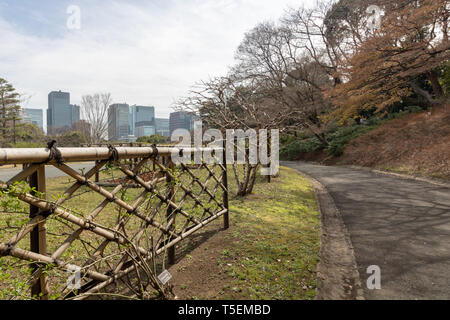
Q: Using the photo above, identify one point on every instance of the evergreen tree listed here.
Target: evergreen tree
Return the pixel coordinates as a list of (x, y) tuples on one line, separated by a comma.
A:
[(9, 113)]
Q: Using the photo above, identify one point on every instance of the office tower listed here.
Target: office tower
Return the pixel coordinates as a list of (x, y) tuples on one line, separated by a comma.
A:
[(118, 122), (141, 116), (60, 113), (181, 120), (74, 113), (144, 131), (162, 127), (34, 116)]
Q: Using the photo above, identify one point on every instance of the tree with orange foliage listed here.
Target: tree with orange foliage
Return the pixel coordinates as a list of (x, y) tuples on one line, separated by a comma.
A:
[(411, 44)]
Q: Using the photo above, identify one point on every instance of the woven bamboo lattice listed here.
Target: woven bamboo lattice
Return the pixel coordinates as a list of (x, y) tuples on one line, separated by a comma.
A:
[(115, 224)]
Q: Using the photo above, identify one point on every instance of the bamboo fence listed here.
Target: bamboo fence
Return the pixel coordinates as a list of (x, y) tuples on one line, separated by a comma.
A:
[(169, 203)]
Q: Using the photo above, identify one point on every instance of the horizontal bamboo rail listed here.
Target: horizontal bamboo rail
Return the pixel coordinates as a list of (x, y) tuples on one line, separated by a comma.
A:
[(40, 155)]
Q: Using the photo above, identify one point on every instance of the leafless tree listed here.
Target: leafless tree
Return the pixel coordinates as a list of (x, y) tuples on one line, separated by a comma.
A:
[(330, 32), (272, 58), (229, 103), (95, 112)]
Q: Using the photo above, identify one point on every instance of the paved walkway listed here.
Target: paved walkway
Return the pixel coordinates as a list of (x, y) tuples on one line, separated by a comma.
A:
[(401, 225)]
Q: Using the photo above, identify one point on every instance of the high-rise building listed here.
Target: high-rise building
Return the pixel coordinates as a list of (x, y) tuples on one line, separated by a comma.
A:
[(34, 116), (144, 131), (118, 122), (75, 113), (60, 113), (141, 116), (181, 120), (162, 127)]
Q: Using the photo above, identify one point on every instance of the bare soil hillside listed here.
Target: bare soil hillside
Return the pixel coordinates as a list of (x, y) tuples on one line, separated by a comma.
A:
[(417, 144)]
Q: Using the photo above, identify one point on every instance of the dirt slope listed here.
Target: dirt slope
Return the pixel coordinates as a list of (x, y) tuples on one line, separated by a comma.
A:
[(417, 144)]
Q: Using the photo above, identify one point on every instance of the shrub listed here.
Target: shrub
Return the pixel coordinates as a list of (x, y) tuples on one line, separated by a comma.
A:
[(338, 140), (154, 139), (296, 147), (70, 139), (24, 144), (405, 111), (338, 137)]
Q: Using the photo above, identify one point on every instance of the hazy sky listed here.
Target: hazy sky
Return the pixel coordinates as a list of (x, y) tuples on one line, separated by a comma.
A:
[(146, 52)]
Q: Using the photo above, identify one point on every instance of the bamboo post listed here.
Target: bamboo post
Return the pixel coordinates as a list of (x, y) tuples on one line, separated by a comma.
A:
[(226, 218), (170, 212), (38, 236), (97, 174), (269, 151)]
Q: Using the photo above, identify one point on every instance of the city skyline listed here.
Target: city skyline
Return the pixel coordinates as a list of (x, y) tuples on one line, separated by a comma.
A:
[(136, 120), (127, 123), (45, 112)]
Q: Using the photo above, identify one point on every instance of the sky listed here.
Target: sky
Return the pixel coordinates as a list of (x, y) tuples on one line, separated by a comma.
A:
[(145, 52)]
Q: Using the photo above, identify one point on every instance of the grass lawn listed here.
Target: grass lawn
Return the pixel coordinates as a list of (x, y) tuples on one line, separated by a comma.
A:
[(270, 251)]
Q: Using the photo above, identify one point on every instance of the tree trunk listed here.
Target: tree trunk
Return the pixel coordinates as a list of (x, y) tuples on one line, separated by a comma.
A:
[(421, 92), (320, 136), (437, 88), (337, 81), (252, 179), (14, 131), (3, 120)]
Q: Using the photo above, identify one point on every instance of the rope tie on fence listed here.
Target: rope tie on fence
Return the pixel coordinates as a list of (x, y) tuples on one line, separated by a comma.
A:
[(89, 225), (58, 262), (116, 238), (134, 177), (9, 248), (109, 273), (49, 212), (114, 153), (154, 151), (55, 154), (149, 222)]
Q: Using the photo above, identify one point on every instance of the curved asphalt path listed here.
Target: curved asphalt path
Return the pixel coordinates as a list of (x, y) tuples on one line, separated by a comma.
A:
[(401, 225)]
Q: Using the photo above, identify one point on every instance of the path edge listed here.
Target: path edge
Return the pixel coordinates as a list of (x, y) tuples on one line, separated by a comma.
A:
[(337, 271)]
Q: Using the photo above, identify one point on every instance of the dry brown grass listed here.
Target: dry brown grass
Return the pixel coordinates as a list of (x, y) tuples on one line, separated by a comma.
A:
[(416, 144)]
